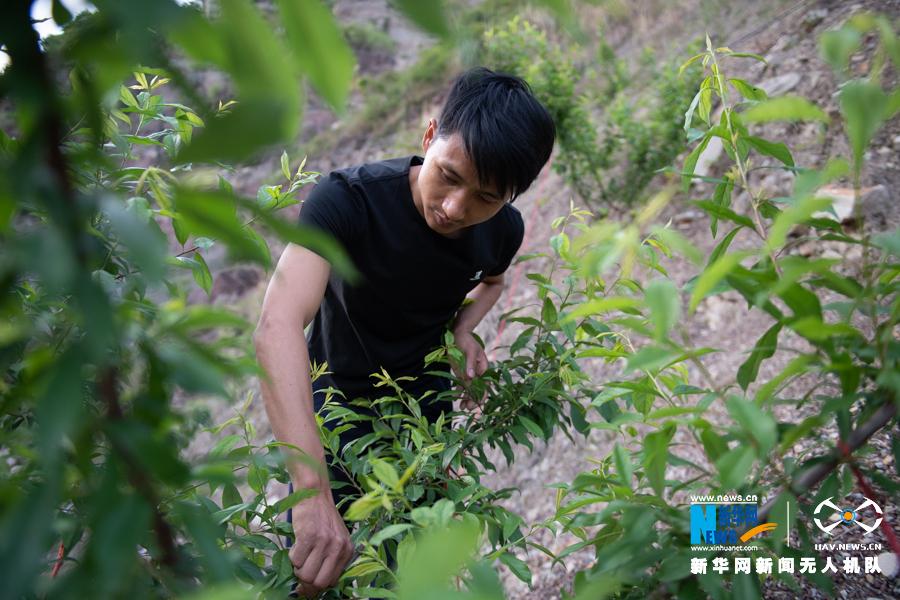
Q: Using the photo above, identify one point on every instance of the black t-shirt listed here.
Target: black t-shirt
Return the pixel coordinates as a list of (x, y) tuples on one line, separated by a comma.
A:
[(412, 279)]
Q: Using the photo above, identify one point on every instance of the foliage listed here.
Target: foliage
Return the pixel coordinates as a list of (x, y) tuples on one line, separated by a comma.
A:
[(368, 36), (97, 333), (639, 534), (612, 158)]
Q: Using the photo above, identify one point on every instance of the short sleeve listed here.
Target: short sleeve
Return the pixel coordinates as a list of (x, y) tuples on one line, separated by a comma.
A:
[(513, 232), (335, 209)]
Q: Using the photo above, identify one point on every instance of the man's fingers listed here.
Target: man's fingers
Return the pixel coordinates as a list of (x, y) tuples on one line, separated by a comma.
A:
[(329, 571), (299, 551), (309, 571), (471, 361), (306, 590), (481, 363)]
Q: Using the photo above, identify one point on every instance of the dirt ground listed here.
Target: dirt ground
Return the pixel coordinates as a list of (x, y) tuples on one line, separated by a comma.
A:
[(784, 32)]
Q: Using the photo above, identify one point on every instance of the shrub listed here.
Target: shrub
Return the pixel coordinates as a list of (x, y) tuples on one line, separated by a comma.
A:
[(610, 159)]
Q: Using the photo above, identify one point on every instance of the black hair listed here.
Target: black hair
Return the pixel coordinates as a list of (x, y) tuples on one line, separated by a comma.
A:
[(507, 133)]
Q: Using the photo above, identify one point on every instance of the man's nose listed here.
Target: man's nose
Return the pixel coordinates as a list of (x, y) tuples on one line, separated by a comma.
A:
[(454, 206)]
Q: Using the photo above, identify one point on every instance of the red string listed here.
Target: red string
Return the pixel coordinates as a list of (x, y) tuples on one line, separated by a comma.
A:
[(867, 490), (59, 560)]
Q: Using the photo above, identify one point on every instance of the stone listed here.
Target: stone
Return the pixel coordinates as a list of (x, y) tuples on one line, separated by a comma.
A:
[(843, 201), (709, 156), (871, 200), (687, 216), (888, 563), (814, 17), (780, 84)]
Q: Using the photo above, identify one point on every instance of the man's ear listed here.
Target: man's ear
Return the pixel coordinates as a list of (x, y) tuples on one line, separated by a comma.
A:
[(430, 133)]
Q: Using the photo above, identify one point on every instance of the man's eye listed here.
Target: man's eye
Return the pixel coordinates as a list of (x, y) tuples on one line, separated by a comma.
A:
[(447, 179)]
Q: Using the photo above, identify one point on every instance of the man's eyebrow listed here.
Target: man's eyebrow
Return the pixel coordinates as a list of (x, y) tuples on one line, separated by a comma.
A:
[(447, 167)]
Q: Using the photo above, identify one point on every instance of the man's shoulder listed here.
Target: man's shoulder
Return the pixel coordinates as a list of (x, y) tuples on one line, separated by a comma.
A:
[(510, 218), (374, 171)]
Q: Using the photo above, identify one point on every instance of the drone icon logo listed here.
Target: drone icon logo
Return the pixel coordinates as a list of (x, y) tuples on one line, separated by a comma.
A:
[(848, 515)]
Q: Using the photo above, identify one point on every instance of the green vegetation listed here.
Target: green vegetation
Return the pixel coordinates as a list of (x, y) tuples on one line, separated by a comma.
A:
[(612, 157), (97, 337), (368, 36)]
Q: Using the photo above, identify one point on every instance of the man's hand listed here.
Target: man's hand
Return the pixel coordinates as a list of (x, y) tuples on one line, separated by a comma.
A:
[(322, 546), (476, 365)]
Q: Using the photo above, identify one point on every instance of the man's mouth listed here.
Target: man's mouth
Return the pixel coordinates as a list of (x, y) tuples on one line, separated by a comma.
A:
[(442, 220)]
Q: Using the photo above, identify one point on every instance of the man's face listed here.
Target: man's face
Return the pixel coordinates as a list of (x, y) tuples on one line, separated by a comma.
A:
[(449, 195)]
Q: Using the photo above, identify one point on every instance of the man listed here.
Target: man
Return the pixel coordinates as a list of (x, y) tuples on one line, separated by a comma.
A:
[(423, 233)]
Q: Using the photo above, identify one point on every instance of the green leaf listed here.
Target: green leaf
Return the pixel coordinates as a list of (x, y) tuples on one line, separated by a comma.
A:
[(888, 241), (712, 275), (757, 424), (362, 507), (722, 246), (814, 329), (764, 348), (623, 464), (689, 62), (389, 532), (293, 499), (864, 106), (532, 427), (201, 273), (713, 444), (723, 212), (689, 113), (798, 212), (518, 566), (690, 163), (734, 466), (385, 473), (214, 214), (837, 46), (320, 49), (756, 57), (269, 99), (798, 365), (656, 456), (427, 15), (243, 132), (145, 242), (60, 404), (893, 107), (776, 150), (721, 198), (650, 358), (704, 107), (285, 165), (784, 108), (438, 555), (60, 13), (191, 370), (548, 312), (361, 569), (750, 92), (664, 301)]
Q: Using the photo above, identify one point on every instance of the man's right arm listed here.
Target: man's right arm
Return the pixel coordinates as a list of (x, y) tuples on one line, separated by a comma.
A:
[(292, 298)]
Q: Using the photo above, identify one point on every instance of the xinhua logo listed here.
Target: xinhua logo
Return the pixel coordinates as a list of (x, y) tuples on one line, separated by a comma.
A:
[(847, 516), (720, 523)]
